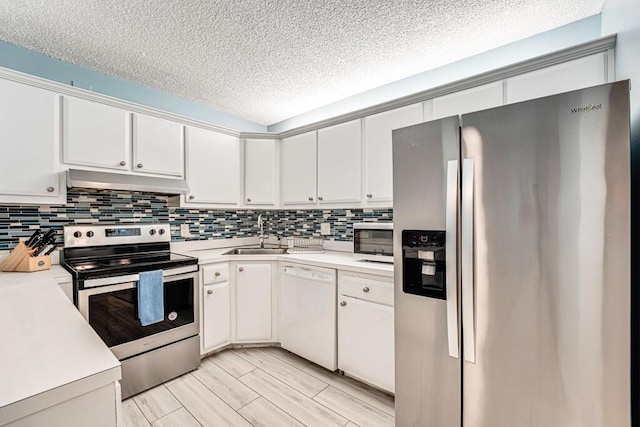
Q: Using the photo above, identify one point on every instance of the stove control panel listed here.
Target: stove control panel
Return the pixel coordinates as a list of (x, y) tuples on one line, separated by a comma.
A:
[(79, 236)]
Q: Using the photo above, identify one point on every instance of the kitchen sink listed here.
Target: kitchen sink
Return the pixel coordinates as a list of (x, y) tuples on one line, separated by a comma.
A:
[(256, 251)]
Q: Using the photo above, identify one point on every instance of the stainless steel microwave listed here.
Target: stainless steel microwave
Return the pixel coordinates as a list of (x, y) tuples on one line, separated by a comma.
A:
[(373, 241)]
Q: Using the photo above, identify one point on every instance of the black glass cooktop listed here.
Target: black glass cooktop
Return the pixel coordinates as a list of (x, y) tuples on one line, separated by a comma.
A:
[(95, 267)]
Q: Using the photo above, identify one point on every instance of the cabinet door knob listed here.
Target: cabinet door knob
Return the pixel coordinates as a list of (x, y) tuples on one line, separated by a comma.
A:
[(210, 291), (369, 196), (240, 268), (365, 289), (311, 199), (217, 273), (191, 197), (50, 189), (343, 303), (248, 200), (320, 198), (139, 165), (123, 163)]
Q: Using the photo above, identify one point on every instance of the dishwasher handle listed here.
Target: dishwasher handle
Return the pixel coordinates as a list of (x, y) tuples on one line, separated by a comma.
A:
[(325, 275)]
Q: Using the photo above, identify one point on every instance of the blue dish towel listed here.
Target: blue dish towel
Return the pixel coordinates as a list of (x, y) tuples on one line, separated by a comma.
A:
[(150, 297)]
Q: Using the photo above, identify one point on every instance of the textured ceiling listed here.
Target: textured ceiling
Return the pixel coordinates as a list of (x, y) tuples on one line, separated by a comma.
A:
[(269, 60)]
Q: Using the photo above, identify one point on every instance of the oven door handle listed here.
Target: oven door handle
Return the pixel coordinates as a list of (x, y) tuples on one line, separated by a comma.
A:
[(111, 281), (108, 289), (168, 275)]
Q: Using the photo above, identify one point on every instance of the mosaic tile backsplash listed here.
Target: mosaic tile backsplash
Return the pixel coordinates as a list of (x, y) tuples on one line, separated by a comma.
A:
[(120, 207)]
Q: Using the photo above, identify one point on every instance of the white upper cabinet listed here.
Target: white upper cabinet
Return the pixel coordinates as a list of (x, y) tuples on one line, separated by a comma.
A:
[(260, 172), (378, 171), (298, 169), (340, 163), (466, 101), (212, 167), (158, 146), (565, 77), (99, 135), (29, 132), (95, 134)]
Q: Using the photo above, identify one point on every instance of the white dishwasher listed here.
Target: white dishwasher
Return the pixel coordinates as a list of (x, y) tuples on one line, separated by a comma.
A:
[(307, 324)]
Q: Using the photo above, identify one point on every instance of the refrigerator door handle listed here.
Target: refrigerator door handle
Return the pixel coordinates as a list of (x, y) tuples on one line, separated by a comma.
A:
[(466, 218), (450, 254)]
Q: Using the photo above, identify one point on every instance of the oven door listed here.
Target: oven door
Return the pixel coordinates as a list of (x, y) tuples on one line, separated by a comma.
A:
[(112, 311)]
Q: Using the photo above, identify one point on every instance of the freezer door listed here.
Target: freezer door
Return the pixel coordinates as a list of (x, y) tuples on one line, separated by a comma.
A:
[(548, 303), (426, 336)]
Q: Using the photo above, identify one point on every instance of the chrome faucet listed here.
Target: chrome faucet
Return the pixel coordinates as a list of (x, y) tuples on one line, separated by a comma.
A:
[(261, 230)]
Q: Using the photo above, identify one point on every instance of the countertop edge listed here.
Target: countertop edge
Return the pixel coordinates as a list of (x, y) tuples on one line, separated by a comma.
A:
[(44, 299), (328, 259), (30, 405)]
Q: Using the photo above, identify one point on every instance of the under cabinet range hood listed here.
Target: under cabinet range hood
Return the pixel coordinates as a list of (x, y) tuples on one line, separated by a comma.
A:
[(115, 181)]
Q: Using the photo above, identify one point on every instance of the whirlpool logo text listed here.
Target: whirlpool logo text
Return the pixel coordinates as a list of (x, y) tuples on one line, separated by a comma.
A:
[(586, 109)]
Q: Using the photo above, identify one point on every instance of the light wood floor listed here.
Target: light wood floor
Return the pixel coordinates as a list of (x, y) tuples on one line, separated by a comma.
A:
[(259, 387)]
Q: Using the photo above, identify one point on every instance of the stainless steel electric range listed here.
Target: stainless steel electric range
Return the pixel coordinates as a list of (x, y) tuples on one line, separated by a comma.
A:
[(105, 261)]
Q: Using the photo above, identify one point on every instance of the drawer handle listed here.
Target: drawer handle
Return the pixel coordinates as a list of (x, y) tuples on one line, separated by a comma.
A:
[(320, 198), (123, 163), (217, 273), (210, 291), (50, 189), (311, 199), (248, 200), (365, 289), (343, 303), (240, 268), (140, 166), (191, 197), (369, 196)]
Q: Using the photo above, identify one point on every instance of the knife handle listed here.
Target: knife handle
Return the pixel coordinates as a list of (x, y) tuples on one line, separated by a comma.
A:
[(39, 250), (49, 235), (51, 249), (33, 237)]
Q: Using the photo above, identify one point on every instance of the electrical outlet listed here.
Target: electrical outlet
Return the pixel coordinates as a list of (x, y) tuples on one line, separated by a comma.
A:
[(184, 230), (325, 229)]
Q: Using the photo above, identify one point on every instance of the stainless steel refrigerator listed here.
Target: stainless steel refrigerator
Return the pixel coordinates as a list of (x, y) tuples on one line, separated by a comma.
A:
[(512, 265)]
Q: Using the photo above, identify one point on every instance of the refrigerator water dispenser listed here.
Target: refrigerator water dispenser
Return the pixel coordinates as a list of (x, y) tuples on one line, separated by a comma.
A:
[(423, 259)]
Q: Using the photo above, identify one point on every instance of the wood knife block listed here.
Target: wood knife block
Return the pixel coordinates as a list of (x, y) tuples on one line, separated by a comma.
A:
[(21, 259)]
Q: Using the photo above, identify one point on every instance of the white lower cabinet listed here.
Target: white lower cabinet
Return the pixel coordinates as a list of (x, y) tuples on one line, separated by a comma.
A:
[(215, 301), (254, 303), (100, 408), (366, 329), (216, 307)]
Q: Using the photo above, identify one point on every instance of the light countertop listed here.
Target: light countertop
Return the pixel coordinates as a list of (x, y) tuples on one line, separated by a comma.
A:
[(56, 272), (49, 352), (328, 259)]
